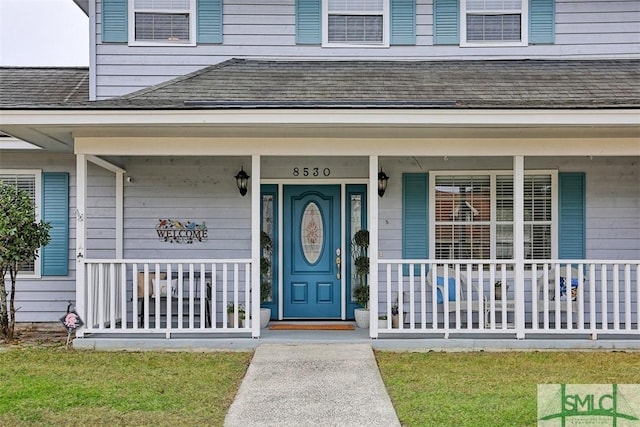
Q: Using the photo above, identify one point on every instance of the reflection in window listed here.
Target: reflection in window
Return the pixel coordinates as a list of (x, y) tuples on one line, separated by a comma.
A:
[(268, 228), (474, 216), (25, 182), (356, 225)]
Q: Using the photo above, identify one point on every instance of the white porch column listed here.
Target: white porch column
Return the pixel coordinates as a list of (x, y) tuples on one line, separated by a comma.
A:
[(518, 242), (119, 214), (373, 246), (81, 203), (255, 246)]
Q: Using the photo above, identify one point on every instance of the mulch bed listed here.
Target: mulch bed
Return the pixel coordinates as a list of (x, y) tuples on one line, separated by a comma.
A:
[(38, 335)]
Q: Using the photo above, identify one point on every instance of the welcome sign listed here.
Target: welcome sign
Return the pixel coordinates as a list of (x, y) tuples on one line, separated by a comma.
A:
[(174, 231)]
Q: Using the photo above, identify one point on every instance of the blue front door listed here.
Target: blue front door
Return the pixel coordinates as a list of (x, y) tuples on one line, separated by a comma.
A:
[(311, 236)]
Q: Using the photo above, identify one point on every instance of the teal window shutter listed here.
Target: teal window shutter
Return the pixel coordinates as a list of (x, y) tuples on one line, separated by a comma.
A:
[(403, 22), (542, 15), (209, 21), (572, 232), (55, 211), (415, 214), (446, 22), (308, 18), (114, 21)]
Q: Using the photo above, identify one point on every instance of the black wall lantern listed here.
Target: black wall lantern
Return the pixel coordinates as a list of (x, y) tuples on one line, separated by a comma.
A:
[(382, 182), (241, 181)]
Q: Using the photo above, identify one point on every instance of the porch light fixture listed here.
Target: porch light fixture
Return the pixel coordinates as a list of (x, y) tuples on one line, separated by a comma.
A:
[(241, 181), (382, 182)]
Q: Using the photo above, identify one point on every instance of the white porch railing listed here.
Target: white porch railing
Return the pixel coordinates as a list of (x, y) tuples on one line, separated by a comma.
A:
[(167, 296), (559, 297)]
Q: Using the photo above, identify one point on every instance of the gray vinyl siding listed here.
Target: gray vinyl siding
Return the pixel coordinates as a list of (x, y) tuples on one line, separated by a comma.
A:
[(266, 29), (612, 199), (45, 299), (186, 189)]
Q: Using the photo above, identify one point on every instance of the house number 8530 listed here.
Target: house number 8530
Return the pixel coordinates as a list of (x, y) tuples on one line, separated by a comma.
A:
[(311, 172)]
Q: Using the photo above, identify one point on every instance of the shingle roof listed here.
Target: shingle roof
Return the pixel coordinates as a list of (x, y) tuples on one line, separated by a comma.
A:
[(527, 84), (43, 85), (470, 84)]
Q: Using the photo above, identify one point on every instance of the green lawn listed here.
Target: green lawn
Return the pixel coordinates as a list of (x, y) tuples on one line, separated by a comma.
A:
[(54, 386), (491, 389)]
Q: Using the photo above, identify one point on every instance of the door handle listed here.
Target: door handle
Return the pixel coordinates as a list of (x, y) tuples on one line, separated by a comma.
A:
[(338, 263)]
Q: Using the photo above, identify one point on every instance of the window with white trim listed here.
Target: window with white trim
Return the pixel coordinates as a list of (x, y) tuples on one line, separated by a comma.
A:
[(356, 22), (472, 215), (29, 181), (162, 22), (494, 22)]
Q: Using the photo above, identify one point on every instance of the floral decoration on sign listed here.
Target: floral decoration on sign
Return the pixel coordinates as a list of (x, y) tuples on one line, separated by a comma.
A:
[(71, 321), (174, 231)]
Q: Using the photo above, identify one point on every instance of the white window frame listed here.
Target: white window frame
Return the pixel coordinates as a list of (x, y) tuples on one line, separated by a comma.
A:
[(493, 221), (524, 26), (386, 26), (132, 25), (37, 174)]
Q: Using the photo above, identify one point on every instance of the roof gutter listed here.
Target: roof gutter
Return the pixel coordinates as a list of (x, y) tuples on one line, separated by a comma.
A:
[(336, 117)]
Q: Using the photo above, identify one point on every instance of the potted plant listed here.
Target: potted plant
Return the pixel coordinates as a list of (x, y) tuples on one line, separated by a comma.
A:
[(382, 322), (498, 290), (266, 277), (241, 315), (359, 249), (394, 315)]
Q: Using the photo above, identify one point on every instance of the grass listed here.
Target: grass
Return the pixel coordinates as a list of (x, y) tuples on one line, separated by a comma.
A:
[(55, 386), (491, 389)]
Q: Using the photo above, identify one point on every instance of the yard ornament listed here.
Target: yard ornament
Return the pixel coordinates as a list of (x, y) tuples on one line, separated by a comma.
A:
[(71, 321)]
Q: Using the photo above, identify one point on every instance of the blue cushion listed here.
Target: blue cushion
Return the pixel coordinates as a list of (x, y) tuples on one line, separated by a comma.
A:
[(563, 289), (452, 289)]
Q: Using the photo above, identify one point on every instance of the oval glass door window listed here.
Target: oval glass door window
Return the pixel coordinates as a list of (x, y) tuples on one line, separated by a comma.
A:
[(312, 233)]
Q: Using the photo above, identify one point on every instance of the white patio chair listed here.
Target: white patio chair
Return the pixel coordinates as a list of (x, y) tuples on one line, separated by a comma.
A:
[(571, 291), (457, 292)]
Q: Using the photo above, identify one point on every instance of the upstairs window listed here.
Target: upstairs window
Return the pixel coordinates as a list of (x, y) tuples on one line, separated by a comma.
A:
[(494, 22), (356, 22), (162, 22)]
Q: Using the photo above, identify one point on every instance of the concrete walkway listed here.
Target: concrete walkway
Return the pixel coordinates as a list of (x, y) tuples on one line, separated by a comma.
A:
[(312, 385)]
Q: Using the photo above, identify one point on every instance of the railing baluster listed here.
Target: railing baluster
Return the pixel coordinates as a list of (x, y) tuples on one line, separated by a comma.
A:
[(423, 296), (100, 296), (604, 302), (434, 297), (169, 299), (616, 297), (112, 296), (202, 294), (389, 294), (627, 297)]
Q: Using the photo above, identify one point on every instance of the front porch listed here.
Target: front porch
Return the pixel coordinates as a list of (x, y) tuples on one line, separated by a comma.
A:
[(210, 299), (461, 213)]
